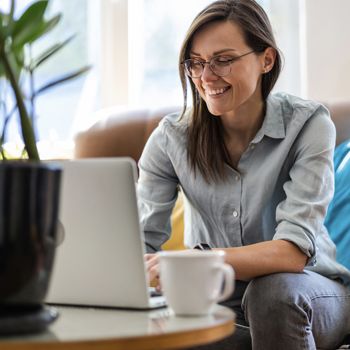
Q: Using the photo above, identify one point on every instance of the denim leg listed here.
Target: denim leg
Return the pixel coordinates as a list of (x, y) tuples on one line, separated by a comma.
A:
[(239, 340), (293, 311)]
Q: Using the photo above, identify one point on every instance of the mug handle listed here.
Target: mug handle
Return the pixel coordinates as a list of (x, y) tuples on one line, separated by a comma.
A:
[(229, 279)]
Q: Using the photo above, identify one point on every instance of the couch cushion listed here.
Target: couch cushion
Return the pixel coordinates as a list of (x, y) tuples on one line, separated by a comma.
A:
[(338, 215), (176, 241)]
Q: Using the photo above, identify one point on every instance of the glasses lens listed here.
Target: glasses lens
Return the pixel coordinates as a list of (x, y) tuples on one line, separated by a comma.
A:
[(193, 68), (221, 65)]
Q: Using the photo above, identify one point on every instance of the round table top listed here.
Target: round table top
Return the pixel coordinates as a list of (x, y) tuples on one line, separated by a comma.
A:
[(106, 329)]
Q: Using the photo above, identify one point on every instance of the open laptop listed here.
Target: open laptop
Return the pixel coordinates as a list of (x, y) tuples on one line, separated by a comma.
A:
[(100, 259)]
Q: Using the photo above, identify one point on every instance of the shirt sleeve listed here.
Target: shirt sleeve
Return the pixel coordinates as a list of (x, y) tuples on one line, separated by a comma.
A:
[(300, 217), (157, 189)]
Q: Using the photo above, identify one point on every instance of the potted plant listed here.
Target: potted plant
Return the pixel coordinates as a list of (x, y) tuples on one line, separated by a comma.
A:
[(29, 188)]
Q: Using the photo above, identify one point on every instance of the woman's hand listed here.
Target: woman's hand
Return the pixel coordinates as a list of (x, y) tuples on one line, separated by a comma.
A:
[(152, 266)]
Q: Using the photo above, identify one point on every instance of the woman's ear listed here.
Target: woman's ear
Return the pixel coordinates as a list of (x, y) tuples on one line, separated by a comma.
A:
[(269, 57)]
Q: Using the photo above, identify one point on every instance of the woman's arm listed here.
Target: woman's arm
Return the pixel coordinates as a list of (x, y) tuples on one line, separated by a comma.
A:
[(157, 190), (251, 261), (265, 258)]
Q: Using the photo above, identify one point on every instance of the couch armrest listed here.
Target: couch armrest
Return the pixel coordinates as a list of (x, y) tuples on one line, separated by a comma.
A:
[(119, 133)]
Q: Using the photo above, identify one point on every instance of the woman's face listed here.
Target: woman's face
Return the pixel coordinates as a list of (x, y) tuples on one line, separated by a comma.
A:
[(242, 85)]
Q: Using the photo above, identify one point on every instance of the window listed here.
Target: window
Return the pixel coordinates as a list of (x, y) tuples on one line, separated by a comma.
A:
[(56, 108), (164, 26), (157, 28), (133, 46)]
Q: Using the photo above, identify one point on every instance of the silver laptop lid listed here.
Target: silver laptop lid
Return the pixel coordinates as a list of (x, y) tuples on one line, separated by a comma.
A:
[(100, 261)]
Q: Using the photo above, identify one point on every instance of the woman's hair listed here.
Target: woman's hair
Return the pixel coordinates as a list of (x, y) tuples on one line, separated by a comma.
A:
[(206, 149)]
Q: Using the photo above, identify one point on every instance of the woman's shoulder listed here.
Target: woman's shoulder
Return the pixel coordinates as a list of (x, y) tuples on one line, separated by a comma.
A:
[(296, 110), (171, 130), (176, 122), (307, 118), (293, 103)]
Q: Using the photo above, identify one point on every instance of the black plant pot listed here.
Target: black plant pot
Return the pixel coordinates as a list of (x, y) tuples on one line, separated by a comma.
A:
[(29, 202)]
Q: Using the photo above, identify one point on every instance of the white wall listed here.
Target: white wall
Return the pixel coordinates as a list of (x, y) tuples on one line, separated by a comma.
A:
[(327, 49)]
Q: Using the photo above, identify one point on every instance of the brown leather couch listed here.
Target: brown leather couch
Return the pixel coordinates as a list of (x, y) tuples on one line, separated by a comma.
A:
[(124, 133), (119, 133)]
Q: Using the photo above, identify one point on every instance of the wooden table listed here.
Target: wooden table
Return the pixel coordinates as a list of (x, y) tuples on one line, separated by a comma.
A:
[(106, 329)]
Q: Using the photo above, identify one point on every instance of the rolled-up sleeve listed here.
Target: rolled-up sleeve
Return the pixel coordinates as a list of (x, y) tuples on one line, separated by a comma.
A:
[(157, 189), (300, 216)]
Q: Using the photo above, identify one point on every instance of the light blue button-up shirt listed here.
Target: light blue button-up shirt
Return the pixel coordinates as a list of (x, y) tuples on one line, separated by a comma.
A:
[(280, 190)]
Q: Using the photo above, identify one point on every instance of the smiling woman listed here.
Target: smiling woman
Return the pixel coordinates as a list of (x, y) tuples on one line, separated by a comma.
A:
[(217, 89), (256, 169), (251, 72)]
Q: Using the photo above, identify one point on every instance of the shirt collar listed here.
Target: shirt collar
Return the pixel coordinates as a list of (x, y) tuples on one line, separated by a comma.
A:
[(273, 124)]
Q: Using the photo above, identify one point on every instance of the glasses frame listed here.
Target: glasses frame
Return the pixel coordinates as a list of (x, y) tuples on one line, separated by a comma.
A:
[(210, 62)]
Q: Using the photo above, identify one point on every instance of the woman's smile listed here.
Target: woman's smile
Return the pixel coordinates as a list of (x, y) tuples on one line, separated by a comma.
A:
[(216, 92)]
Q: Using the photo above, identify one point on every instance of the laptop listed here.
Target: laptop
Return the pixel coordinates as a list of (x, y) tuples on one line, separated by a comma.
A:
[(99, 257)]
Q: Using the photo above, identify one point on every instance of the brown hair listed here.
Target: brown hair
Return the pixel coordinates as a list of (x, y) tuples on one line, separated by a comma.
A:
[(206, 149)]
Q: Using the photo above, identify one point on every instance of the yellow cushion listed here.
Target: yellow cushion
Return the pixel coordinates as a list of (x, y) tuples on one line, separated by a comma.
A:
[(176, 241)]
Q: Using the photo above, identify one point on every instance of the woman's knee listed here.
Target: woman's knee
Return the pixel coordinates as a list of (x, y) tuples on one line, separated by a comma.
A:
[(278, 294)]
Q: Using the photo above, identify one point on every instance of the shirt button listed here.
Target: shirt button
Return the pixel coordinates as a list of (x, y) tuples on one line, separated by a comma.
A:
[(237, 177), (252, 146), (235, 213)]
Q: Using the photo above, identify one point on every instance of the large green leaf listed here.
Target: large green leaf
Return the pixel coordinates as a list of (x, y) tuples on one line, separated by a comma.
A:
[(62, 79), (28, 23), (36, 31)]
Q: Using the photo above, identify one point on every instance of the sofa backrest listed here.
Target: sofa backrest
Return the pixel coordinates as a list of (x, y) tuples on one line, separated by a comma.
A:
[(124, 133), (120, 133)]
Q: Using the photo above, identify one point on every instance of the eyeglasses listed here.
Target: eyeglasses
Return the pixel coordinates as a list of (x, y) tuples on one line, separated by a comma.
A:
[(219, 65)]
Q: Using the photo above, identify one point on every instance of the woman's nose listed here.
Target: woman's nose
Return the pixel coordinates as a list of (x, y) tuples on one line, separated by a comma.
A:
[(208, 74)]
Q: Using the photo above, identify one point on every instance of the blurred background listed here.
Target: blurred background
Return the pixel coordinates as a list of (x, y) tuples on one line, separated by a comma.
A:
[(133, 47)]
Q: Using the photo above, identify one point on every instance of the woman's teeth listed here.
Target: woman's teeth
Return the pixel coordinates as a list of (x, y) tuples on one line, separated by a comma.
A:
[(214, 92)]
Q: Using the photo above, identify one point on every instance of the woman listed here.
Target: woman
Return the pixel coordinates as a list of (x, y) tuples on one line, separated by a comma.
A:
[(257, 173)]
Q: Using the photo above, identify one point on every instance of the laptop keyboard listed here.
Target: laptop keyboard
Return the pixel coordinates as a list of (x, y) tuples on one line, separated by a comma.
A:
[(154, 293)]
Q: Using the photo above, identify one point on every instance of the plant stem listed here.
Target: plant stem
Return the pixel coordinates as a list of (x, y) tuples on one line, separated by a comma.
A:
[(32, 89), (26, 126)]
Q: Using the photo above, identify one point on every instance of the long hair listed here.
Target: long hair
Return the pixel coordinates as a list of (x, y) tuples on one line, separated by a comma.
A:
[(206, 149)]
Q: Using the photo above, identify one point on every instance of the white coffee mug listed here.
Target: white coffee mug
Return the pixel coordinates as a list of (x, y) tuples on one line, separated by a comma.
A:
[(192, 281)]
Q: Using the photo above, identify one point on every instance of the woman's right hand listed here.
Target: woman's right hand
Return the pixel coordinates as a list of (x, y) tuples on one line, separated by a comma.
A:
[(152, 266)]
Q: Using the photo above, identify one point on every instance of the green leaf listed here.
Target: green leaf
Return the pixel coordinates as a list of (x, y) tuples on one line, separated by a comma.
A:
[(49, 52), (30, 20), (50, 24), (35, 32), (62, 79)]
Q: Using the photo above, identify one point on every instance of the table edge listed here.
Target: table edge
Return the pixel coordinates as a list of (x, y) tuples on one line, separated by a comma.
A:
[(160, 341)]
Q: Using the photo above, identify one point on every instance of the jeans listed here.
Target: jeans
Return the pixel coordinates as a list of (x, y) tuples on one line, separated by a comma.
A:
[(290, 311)]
